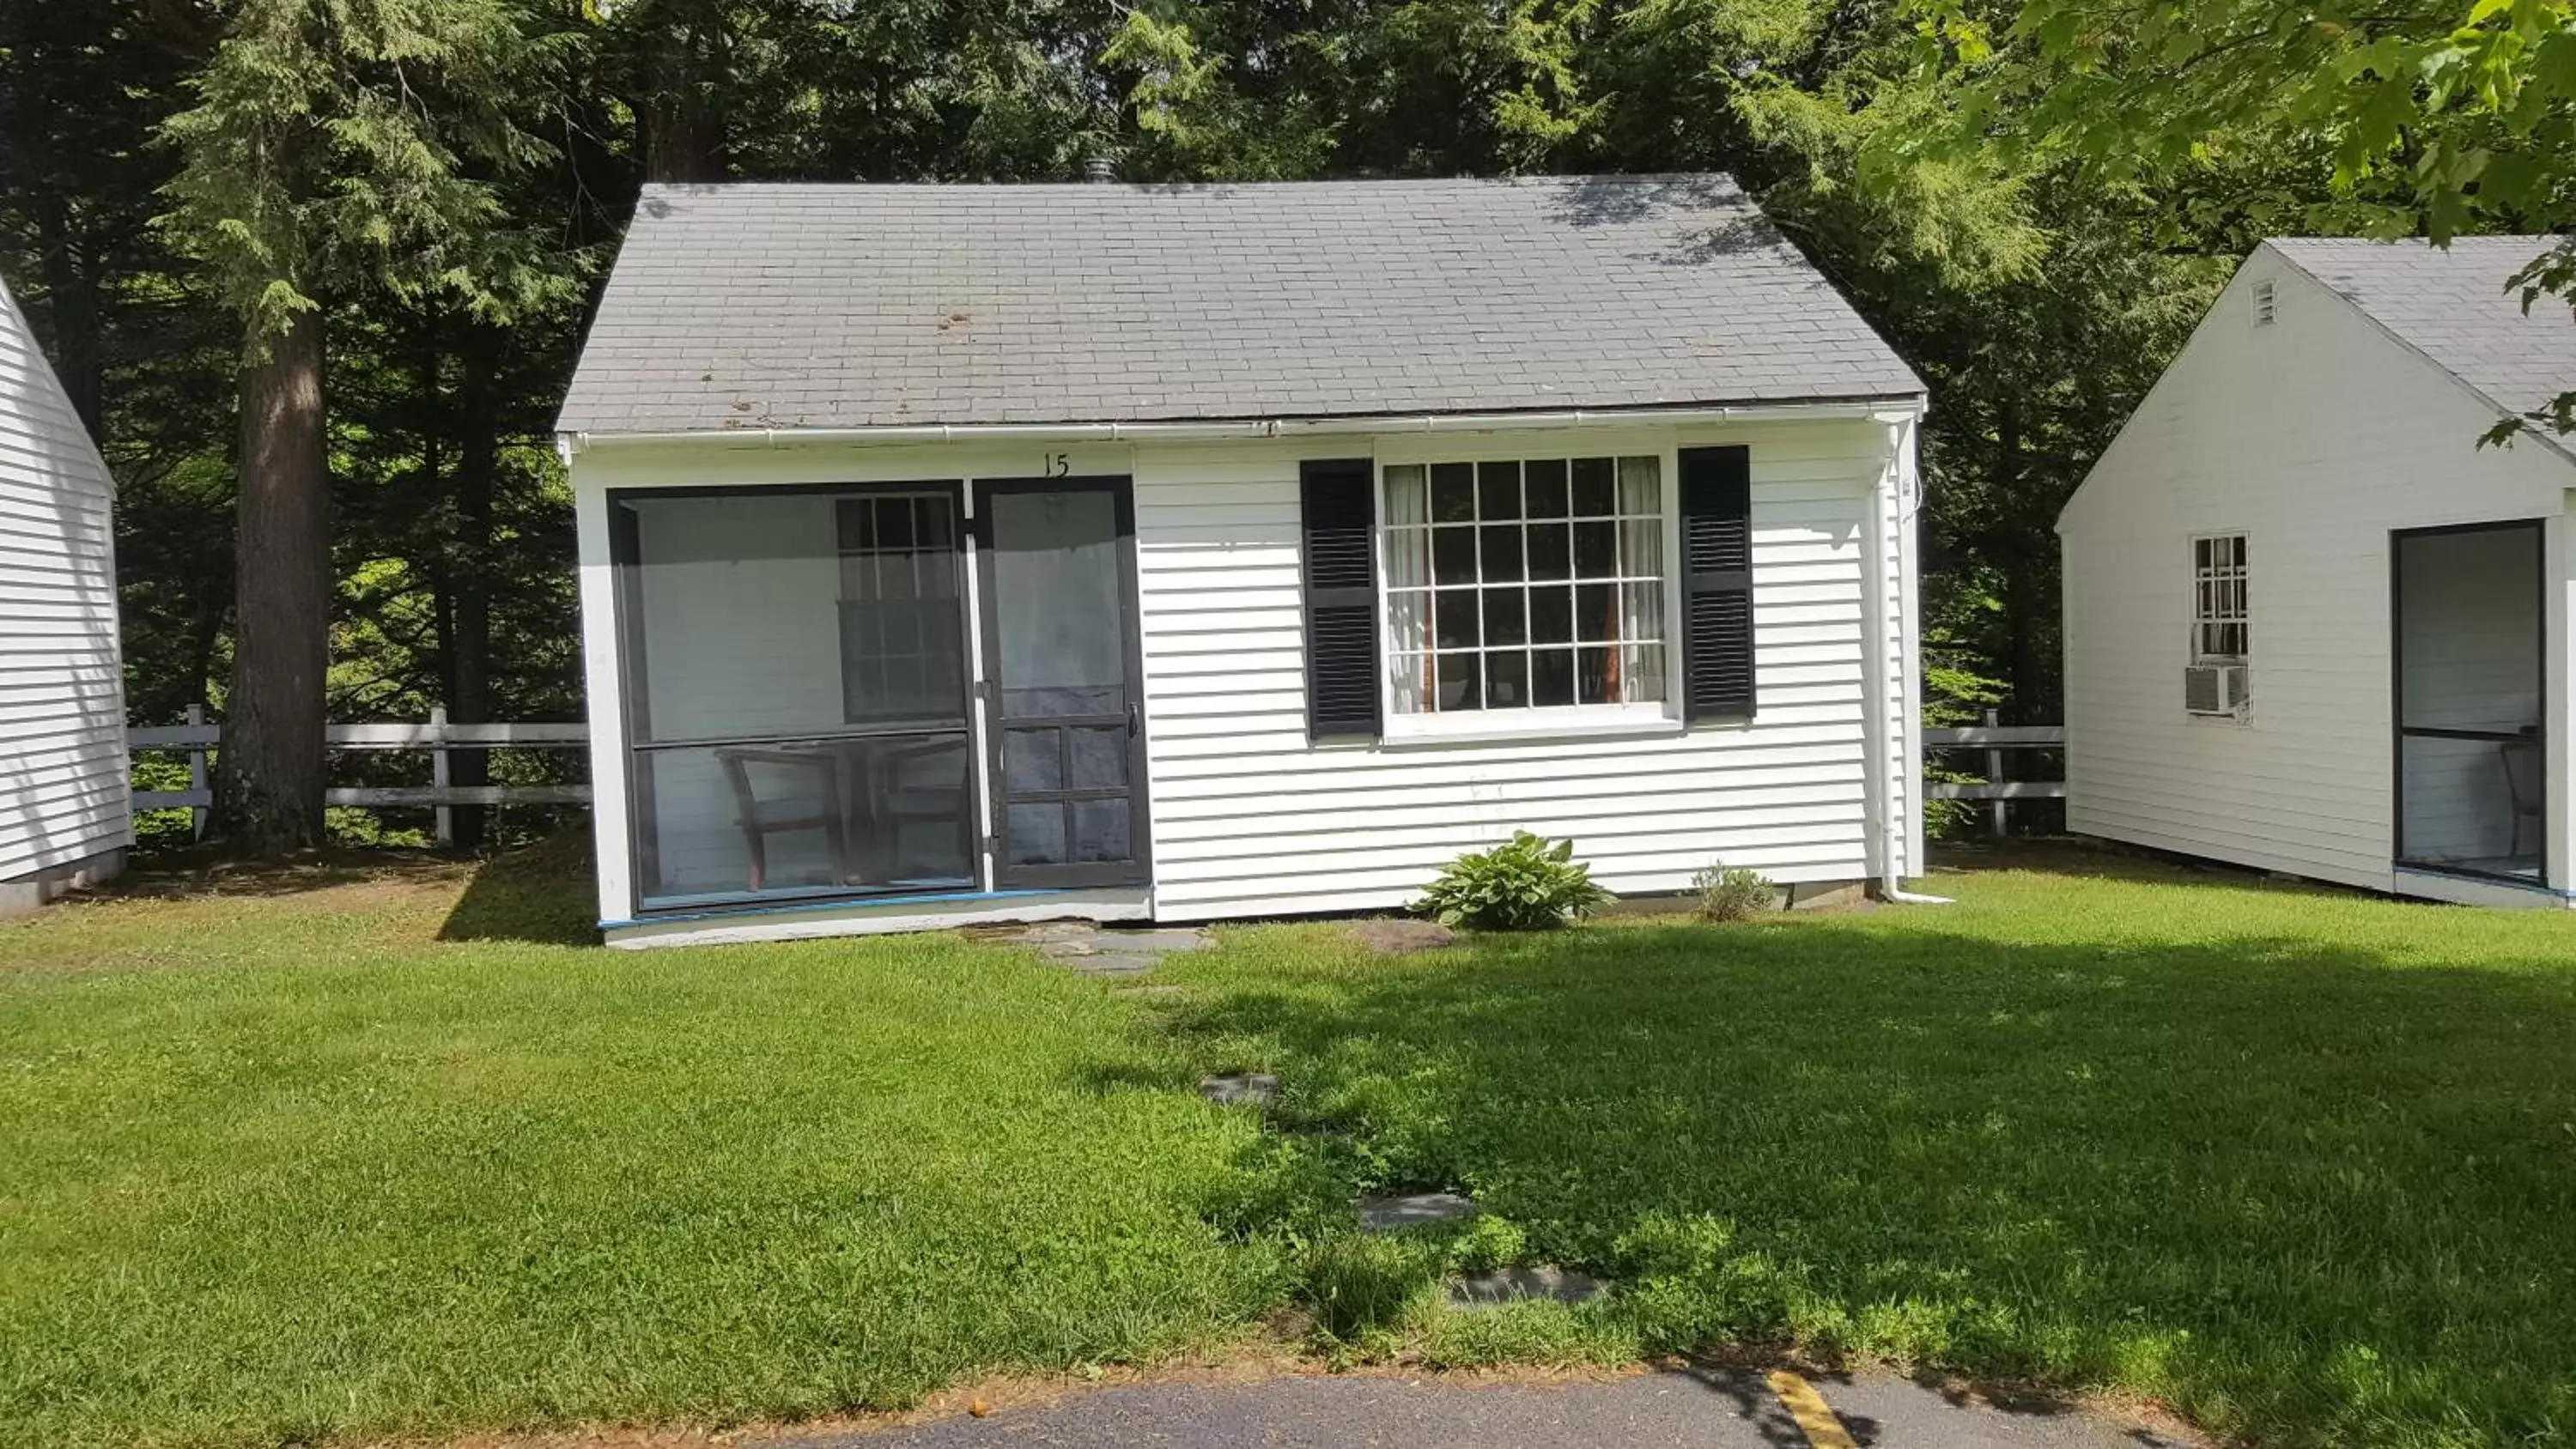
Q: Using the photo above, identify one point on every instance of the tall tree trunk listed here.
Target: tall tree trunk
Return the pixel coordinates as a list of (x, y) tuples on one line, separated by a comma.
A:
[(469, 643), (684, 124), (269, 775), (74, 308)]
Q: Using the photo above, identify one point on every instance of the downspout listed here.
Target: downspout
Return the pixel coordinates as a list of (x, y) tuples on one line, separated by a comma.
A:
[(1895, 753)]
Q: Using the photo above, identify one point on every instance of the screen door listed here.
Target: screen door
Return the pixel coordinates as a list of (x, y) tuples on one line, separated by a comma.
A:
[(2471, 620), (1062, 685)]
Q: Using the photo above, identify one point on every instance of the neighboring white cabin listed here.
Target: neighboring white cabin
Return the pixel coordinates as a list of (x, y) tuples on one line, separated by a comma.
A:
[(2311, 625), (65, 816), (845, 675)]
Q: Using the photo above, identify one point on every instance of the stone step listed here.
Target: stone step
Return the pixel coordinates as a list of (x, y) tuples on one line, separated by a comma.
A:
[(1394, 1214), (1153, 942), (1092, 951), (1258, 1088), (1474, 1291), (1108, 965)]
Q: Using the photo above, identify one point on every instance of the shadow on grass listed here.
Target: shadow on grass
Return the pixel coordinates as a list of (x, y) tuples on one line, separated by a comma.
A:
[(542, 894), (2287, 1185), (207, 871), (2091, 860)]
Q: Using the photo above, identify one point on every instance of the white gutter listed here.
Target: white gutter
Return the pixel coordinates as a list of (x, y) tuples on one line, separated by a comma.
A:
[(1888, 410)]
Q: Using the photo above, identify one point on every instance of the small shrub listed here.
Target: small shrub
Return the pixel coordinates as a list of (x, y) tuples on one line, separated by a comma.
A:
[(1525, 884), (1732, 893)]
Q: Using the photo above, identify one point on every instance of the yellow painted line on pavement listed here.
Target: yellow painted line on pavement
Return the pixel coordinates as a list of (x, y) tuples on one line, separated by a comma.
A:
[(1809, 1408)]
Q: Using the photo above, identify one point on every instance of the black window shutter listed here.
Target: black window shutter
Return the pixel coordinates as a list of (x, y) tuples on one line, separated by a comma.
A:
[(1340, 508), (1717, 583)]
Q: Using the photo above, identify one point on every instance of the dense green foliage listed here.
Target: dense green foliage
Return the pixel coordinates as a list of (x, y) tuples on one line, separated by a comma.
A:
[(2032, 200), (2431, 117), (1524, 884), (333, 1155)]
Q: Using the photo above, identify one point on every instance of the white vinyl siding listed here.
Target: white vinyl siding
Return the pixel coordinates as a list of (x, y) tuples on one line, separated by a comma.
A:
[(63, 770), (1252, 819), (2316, 436)]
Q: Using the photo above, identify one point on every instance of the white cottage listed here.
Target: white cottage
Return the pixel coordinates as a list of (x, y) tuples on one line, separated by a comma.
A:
[(2311, 625), (65, 809), (976, 553)]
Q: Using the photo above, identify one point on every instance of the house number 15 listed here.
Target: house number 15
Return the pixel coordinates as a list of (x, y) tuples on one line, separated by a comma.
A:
[(1058, 465)]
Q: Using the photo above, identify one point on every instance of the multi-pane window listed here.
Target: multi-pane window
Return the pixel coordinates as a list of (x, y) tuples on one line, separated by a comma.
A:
[(901, 647), (1525, 584), (2218, 624)]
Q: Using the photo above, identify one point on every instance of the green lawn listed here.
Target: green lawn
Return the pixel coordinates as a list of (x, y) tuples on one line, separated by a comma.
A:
[(310, 1160)]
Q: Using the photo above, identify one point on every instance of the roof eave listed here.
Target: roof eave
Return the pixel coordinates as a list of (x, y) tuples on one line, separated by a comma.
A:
[(1860, 405)]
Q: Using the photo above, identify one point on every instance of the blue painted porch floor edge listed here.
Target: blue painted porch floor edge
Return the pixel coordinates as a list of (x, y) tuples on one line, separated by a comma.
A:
[(840, 903)]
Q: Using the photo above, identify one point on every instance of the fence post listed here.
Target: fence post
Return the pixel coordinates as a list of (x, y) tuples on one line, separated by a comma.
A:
[(438, 773), (1998, 810), (196, 774)]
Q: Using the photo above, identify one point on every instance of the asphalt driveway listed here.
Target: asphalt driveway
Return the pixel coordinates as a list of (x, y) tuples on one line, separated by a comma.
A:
[(1680, 1409)]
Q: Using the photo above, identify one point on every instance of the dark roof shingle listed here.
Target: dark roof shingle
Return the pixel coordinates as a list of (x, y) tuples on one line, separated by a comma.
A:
[(774, 306)]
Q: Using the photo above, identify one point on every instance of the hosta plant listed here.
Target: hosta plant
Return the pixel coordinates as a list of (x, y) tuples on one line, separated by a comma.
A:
[(1524, 884)]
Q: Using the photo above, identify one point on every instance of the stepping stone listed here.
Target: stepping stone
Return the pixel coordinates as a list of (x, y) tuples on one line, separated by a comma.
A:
[(1060, 931), (1156, 942), (1402, 938), (1098, 964), (1090, 949), (1413, 1210), (1258, 1088), (1519, 1285)]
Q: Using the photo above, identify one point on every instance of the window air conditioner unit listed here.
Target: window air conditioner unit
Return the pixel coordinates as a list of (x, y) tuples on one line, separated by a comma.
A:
[(2216, 689)]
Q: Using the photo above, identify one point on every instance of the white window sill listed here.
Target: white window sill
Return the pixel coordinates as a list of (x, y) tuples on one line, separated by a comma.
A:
[(1505, 726)]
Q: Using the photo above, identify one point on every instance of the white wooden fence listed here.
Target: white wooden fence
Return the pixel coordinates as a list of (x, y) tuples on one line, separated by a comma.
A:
[(1994, 740), (438, 738)]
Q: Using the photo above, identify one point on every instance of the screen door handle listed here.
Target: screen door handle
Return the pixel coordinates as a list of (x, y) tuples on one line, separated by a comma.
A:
[(1135, 718)]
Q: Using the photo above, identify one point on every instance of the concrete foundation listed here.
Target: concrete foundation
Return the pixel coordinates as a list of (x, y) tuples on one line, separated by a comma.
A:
[(27, 892)]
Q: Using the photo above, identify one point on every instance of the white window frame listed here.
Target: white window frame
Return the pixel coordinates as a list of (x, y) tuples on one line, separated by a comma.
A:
[(1649, 717), (2219, 576)]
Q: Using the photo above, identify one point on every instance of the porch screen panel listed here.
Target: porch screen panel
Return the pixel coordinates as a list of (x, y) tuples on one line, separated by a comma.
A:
[(2470, 715), (796, 692)]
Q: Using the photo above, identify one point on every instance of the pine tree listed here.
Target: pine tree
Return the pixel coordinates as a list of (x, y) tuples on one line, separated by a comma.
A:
[(336, 147)]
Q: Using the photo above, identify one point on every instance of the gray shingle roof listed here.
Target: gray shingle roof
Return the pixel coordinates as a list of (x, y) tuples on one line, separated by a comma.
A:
[(760, 306), (2452, 306)]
